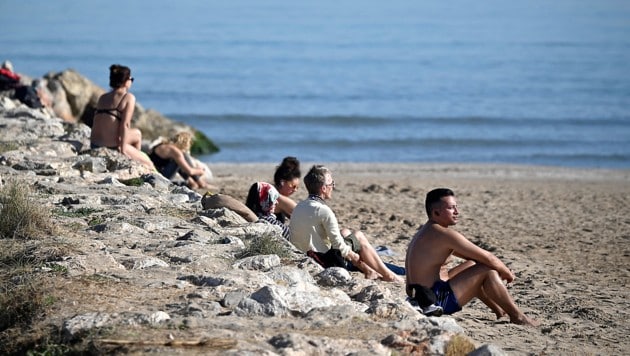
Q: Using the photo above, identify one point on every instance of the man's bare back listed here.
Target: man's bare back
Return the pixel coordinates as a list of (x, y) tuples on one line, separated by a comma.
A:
[(426, 257)]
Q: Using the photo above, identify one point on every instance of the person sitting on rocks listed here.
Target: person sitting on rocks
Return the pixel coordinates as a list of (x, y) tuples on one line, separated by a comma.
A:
[(286, 179), (111, 127), (172, 156), (262, 200), (12, 82), (315, 230)]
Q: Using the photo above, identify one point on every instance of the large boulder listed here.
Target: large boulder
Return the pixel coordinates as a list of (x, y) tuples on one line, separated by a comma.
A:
[(81, 93)]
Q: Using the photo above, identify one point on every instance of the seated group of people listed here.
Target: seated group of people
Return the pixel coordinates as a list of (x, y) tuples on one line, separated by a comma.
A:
[(312, 226), (111, 128), (430, 286)]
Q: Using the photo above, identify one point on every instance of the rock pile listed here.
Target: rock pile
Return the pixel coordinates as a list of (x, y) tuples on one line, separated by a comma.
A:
[(147, 269), (73, 98)]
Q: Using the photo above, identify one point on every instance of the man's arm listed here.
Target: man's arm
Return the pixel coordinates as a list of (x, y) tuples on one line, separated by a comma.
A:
[(331, 226), (463, 248)]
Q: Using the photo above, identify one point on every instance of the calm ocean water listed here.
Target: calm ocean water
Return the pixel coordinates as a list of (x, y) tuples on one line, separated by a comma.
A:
[(538, 82)]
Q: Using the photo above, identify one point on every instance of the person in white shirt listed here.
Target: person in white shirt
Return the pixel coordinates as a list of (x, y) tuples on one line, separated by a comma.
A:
[(314, 229)]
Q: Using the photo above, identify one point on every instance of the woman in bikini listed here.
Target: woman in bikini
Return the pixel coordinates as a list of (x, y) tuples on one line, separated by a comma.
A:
[(112, 119)]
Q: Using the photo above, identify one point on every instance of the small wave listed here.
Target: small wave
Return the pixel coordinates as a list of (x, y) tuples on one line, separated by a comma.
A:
[(349, 120)]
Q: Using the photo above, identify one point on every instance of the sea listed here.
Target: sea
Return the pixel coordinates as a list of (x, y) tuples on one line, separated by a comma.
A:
[(534, 82)]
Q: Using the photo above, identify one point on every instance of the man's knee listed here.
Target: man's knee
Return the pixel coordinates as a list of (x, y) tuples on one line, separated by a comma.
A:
[(493, 274), (363, 241)]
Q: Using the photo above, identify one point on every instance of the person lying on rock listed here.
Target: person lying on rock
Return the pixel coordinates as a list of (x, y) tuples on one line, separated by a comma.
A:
[(315, 231), (481, 275)]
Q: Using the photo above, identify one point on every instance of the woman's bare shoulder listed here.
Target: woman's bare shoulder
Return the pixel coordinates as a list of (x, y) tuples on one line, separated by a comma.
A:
[(128, 99), (105, 99)]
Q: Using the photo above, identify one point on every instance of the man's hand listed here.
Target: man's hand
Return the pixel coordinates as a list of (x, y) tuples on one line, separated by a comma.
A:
[(354, 257), (507, 275)]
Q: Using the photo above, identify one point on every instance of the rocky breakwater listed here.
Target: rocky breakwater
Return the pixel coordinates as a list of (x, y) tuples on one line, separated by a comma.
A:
[(128, 262), (73, 97)]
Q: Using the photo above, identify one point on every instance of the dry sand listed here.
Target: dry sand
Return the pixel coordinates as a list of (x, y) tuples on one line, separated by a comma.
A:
[(564, 232)]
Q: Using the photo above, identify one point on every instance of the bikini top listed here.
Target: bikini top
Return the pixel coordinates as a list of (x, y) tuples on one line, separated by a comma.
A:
[(115, 112)]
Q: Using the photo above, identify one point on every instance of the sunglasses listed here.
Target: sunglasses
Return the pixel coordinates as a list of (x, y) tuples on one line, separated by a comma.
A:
[(131, 78)]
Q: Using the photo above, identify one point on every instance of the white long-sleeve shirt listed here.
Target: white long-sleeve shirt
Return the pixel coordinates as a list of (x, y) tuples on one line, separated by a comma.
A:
[(314, 227)]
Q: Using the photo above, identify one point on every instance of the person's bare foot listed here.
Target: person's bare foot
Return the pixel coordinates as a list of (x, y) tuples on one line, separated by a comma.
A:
[(393, 278), (500, 314), (524, 320), (371, 274)]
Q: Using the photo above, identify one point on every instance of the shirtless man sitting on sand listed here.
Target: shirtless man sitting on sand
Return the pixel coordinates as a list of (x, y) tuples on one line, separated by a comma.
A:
[(480, 276)]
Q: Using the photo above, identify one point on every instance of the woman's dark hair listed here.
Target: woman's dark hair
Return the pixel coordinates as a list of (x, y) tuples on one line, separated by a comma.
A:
[(253, 202), (118, 75), (435, 196), (289, 169)]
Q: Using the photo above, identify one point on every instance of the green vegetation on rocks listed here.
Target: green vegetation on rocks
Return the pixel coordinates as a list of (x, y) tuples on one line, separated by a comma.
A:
[(202, 145)]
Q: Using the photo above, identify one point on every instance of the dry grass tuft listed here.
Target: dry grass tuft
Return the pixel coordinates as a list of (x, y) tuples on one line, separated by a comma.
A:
[(8, 146), (266, 244), (21, 217), (27, 292), (20, 297), (24, 287), (460, 345)]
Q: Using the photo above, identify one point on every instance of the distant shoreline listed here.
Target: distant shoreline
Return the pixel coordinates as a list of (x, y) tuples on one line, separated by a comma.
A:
[(436, 170)]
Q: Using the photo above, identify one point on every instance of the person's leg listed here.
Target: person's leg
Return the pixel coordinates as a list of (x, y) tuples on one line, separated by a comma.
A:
[(460, 268), (367, 270), (139, 156), (134, 138), (482, 296), (373, 260), (478, 280), (199, 182), (496, 309), (191, 183), (169, 169)]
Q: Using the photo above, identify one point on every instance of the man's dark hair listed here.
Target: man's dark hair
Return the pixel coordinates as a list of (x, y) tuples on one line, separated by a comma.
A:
[(435, 196)]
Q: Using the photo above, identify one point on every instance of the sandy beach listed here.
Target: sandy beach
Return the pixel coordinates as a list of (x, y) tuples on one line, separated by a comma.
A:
[(564, 232)]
